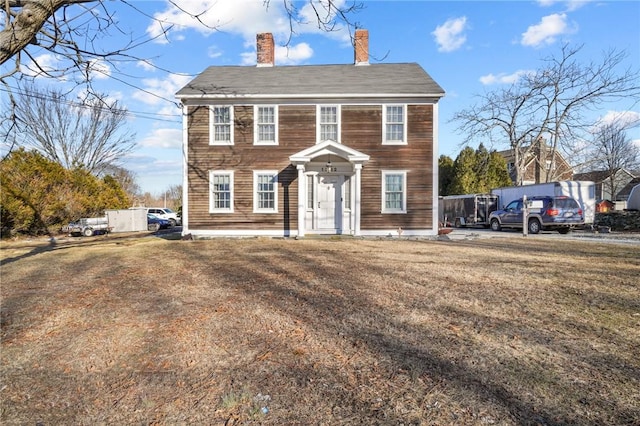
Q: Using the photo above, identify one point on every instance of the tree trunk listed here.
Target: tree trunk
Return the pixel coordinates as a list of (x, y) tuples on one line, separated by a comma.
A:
[(28, 22)]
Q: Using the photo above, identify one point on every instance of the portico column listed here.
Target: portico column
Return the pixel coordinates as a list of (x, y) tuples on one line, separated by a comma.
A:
[(302, 199), (357, 208)]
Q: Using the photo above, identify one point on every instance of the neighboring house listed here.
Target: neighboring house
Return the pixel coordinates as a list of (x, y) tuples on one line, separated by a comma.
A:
[(317, 149), (602, 179), (540, 165)]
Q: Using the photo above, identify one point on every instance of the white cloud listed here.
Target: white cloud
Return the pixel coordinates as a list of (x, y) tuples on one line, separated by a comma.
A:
[(571, 5), (247, 18), (157, 90), (502, 78), (293, 54), (244, 17), (547, 31), (98, 69), (146, 65), (450, 35), (214, 52), (49, 65), (163, 138), (284, 55), (625, 119), (43, 65)]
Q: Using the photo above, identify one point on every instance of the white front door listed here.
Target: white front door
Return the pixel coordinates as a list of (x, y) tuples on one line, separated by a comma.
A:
[(329, 208)]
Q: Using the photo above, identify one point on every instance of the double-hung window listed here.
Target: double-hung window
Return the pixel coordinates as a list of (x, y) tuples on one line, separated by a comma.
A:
[(221, 125), (394, 123), (328, 118), (221, 191), (265, 191), (265, 125), (394, 191)]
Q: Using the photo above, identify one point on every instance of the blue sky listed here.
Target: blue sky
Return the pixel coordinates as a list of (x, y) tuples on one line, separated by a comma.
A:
[(468, 47)]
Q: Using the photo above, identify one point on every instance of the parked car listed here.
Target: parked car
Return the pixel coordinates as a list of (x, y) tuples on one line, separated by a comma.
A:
[(155, 223), (165, 213), (559, 213)]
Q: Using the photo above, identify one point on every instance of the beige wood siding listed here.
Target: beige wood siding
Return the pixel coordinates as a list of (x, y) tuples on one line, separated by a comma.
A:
[(361, 130), (296, 132)]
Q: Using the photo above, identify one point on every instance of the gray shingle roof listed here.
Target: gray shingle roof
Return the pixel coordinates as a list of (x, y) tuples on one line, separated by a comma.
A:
[(313, 80)]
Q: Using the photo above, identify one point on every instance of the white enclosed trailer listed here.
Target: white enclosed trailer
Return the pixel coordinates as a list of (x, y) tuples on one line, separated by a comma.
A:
[(129, 220), (584, 192)]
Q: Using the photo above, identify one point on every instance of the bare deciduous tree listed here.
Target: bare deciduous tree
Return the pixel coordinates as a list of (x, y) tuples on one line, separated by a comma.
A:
[(73, 29), (551, 102), (74, 133), (614, 152), (75, 33)]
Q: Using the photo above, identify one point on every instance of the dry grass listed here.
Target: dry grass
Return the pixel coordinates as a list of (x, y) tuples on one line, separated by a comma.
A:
[(149, 331)]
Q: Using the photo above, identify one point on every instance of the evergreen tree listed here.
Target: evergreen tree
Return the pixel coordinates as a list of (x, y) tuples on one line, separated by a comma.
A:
[(38, 195), (464, 177), (476, 171), (445, 175)]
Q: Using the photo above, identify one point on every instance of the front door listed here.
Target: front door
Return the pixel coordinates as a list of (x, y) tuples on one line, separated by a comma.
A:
[(329, 204)]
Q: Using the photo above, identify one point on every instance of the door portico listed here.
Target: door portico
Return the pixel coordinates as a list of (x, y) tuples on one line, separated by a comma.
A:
[(329, 188)]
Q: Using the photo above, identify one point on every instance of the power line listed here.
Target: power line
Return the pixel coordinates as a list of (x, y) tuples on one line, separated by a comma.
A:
[(136, 114)]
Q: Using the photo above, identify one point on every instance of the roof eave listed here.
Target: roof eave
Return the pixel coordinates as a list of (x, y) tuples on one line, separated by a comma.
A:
[(310, 96)]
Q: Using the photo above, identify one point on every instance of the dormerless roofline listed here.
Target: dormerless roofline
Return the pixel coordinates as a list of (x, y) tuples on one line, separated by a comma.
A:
[(313, 96)]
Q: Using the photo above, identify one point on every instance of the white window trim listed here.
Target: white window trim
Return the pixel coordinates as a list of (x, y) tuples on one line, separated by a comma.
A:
[(273, 173), (212, 125), (405, 111), (231, 202), (385, 173), (255, 125), (338, 118)]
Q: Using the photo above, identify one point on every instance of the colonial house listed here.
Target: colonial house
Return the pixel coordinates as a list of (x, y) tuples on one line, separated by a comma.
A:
[(539, 165), (315, 149)]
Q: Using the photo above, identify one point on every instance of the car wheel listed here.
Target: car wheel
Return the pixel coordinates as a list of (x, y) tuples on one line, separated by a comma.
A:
[(87, 232), (495, 225), (534, 226), (564, 230), (172, 222), (153, 227)]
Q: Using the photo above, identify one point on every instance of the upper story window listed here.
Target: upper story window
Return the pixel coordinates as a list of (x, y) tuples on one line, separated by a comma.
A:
[(394, 123), (394, 191), (328, 118), (220, 191), (265, 194), (221, 125), (265, 125)]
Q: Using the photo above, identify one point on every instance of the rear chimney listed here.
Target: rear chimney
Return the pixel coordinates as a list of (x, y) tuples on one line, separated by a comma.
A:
[(266, 49), (361, 47)]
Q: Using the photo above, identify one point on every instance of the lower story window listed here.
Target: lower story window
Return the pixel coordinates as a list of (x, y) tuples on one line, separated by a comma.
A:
[(265, 184), (220, 191), (394, 191)]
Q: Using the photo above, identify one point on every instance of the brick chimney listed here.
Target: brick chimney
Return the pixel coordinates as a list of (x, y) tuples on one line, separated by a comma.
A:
[(266, 49), (361, 47)]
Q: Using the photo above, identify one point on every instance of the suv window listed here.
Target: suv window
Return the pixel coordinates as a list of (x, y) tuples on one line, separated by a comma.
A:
[(565, 203), (515, 205)]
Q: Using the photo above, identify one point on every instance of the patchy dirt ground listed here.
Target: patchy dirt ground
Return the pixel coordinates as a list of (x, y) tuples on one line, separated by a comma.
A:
[(505, 331)]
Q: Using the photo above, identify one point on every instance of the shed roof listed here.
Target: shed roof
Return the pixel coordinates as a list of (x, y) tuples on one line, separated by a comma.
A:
[(375, 80)]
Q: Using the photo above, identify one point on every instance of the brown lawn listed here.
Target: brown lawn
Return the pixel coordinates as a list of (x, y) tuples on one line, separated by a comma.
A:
[(508, 331)]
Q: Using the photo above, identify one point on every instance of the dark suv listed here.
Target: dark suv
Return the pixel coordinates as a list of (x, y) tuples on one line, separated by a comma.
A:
[(546, 213)]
